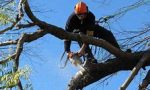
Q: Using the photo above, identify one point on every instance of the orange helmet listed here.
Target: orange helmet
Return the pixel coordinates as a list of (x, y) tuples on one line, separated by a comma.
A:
[(80, 8)]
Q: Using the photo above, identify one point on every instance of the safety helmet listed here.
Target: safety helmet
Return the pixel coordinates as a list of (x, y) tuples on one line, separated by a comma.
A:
[(81, 8)]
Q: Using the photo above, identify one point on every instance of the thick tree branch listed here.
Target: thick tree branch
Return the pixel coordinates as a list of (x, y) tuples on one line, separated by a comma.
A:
[(61, 34), (95, 72), (29, 38), (135, 70), (8, 43), (19, 26)]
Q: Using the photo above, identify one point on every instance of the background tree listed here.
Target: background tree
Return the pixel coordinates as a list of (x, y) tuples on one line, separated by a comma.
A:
[(16, 17)]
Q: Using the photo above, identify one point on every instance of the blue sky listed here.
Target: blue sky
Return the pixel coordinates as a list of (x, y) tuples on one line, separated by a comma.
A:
[(43, 55)]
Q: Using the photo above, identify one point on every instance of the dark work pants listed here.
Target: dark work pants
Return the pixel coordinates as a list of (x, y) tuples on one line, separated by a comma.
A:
[(102, 33), (105, 34)]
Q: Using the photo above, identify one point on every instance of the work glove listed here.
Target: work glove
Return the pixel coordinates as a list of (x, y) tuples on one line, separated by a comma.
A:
[(70, 54), (74, 58)]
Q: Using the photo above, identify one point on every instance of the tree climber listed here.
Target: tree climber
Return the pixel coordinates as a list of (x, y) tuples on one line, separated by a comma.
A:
[(83, 21)]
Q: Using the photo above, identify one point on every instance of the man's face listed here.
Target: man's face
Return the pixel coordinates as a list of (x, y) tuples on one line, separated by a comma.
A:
[(81, 16)]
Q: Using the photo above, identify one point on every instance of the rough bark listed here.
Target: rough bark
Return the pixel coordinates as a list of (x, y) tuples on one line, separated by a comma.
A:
[(135, 71), (95, 72)]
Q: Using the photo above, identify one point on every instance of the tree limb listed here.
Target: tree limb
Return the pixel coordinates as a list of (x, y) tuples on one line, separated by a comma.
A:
[(145, 82), (135, 70), (19, 26), (16, 59), (29, 38), (8, 43), (8, 59), (61, 34), (95, 72), (18, 51)]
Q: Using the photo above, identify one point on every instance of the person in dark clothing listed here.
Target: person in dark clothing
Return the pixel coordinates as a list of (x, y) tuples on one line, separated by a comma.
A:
[(83, 20)]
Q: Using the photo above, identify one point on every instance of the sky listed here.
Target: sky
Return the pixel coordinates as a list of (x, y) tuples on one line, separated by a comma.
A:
[(43, 55)]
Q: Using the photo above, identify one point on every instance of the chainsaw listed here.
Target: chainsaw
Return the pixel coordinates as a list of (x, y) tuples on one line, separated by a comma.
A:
[(77, 61)]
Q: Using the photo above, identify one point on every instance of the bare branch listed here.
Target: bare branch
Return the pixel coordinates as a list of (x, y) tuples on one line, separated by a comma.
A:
[(8, 43), (29, 38), (139, 33), (7, 2), (19, 26), (135, 70), (26, 38), (8, 59), (19, 50), (16, 59), (145, 82), (20, 10), (95, 72), (9, 28)]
